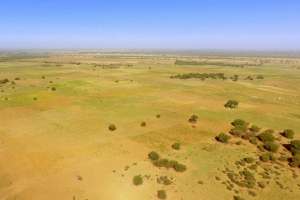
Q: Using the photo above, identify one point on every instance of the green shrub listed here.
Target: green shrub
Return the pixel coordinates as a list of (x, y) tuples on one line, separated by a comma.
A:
[(138, 180), (157, 116), (270, 146), (262, 184), (193, 118), (161, 162), (261, 147), (254, 141), (231, 104), (153, 155), (239, 122), (255, 128), (176, 145), (295, 161), (180, 167), (12, 82), (112, 127), (266, 137), (239, 142), (237, 133), (295, 147), (270, 130), (17, 78), (248, 136), (35, 98), (162, 194), (288, 133), (259, 77), (143, 124), (265, 158), (238, 198), (240, 127), (171, 164), (53, 88), (3, 81), (249, 160), (223, 138)]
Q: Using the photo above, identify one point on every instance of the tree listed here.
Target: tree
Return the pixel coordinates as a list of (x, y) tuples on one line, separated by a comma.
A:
[(138, 180), (223, 138), (143, 124), (193, 118), (176, 145), (270, 146), (266, 137), (231, 104), (112, 127), (288, 133), (153, 155), (162, 194)]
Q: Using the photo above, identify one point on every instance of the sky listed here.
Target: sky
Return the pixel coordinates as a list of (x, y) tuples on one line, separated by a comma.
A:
[(272, 25)]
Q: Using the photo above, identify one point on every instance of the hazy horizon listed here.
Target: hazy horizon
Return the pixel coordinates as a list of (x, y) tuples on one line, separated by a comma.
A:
[(212, 25)]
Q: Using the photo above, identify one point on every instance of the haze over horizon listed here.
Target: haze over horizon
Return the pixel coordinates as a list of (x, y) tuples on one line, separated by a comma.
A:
[(210, 25)]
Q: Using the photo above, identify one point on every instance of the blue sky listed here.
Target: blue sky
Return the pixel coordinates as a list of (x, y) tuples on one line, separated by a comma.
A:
[(150, 24)]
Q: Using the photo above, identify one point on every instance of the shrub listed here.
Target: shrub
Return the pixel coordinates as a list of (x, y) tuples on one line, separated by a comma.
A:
[(143, 124), (171, 164), (295, 161), (270, 130), (112, 127), (254, 128), (295, 147), (193, 118), (231, 104), (253, 141), (237, 132), (288, 133), (17, 78), (3, 81), (157, 116), (240, 127), (35, 98), (162, 194), (239, 122), (138, 180), (248, 136), (266, 137), (262, 184), (239, 142), (12, 82), (223, 138), (161, 162), (265, 157), (270, 146), (53, 88), (180, 167), (261, 147), (249, 160), (176, 146), (238, 198), (259, 77), (153, 155)]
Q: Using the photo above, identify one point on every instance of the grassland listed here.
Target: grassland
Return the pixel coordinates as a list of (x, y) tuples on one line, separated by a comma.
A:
[(55, 144)]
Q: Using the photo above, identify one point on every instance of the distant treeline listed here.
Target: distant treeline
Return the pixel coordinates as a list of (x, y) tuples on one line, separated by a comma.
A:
[(197, 63), (200, 76)]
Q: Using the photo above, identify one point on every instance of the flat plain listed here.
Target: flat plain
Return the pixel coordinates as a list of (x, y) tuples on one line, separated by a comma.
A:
[(55, 111)]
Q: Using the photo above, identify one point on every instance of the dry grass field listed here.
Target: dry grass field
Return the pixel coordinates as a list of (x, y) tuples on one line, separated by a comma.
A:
[(56, 108)]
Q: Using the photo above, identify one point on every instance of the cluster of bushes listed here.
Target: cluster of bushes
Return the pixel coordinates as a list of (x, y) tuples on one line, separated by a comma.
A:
[(165, 162), (200, 76), (164, 180), (231, 104), (244, 179)]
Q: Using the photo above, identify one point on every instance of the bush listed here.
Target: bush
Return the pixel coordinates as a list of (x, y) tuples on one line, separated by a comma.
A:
[(193, 118), (157, 116), (17, 78), (171, 164), (270, 130), (180, 167), (231, 104), (266, 137), (265, 157), (162, 194), (138, 180), (223, 138), (53, 88), (143, 124), (262, 184), (3, 81), (259, 77), (240, 127), (237, 132), (112, 127), (295, 147), (249, 160), (238, 198), (261, 147), (176, 146), (255, 128), (295, 161), (239, 142), (239, 122), (161, 162), (248, 136), (270, 146), (153, 155), (254, 141), (288, 133)]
